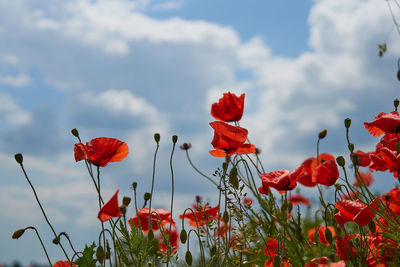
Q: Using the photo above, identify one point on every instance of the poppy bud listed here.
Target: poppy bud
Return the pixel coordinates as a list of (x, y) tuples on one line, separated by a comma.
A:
[(398, 75), (150, 235), (183, 236), (372, 227), (351, 147), (328, 235), (19, 158), (340, 161), (396, 103), (126, 201), (108, 250), (188, 257), (347, 123), (100, 255), (147, 196), (56, 240), (174, 139), (134, 185), (75, 132), (322, 134), (18, 233), (387, 197), (157, 137), (225, 216)]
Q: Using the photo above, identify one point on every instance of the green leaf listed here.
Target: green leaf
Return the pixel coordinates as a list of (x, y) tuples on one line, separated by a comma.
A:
[(87, 259)]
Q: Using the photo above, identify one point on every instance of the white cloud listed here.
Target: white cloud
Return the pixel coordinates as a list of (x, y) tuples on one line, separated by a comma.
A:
[(168, 5), (11, 113), (19, 80)]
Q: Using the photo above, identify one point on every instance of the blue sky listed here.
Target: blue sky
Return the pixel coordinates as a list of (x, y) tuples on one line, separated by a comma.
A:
[(130, 68)]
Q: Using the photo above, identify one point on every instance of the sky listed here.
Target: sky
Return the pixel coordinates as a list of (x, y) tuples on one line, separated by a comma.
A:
[(129, 68)]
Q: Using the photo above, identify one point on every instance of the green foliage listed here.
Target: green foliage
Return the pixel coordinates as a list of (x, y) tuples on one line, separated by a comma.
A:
[(87, 259)]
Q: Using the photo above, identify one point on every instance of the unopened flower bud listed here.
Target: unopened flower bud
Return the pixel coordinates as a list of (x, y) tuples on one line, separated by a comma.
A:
[(188, 257), (19, 158), (174, 139), (134, 185), (157, 137), (75, 132), (322, 134), (347, 123), (372, 227), (328, 235), (351, 147), (340, 161), (147, 196), (100, 255), (126, 201), (18, 233), (398, 75), (56, 240), (183, 236), (225, 216), (396, 103)]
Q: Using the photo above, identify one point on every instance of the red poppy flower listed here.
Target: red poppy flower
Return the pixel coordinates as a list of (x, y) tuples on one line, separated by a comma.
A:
[(63, 264), (343, 249), (173, 239), (308, 166), (102, 150), (386, 159), (270, 248), (321, 233), (202, 216), (366, 177), (392, 200), (229, 140), (363, 158), (355, 211), (326, 173), (110, 209), (158, 217), (297, 199), (281, 180), (389, 141), (229, 108), (384, 123)]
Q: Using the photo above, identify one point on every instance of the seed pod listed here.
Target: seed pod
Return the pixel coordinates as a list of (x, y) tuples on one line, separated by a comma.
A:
[(126, 201)]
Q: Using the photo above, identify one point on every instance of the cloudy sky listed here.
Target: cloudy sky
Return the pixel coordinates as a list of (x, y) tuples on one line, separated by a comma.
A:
[(130, 68)]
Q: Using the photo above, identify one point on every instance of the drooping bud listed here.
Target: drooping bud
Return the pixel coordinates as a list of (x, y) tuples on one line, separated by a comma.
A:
[(100, 255), (174, 139), (75, 132), (56, 240), (347, 123), (157, 137), (183, 236), (188, 258), (328, 235), (18, 233), (19, 158), (322, 134)]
